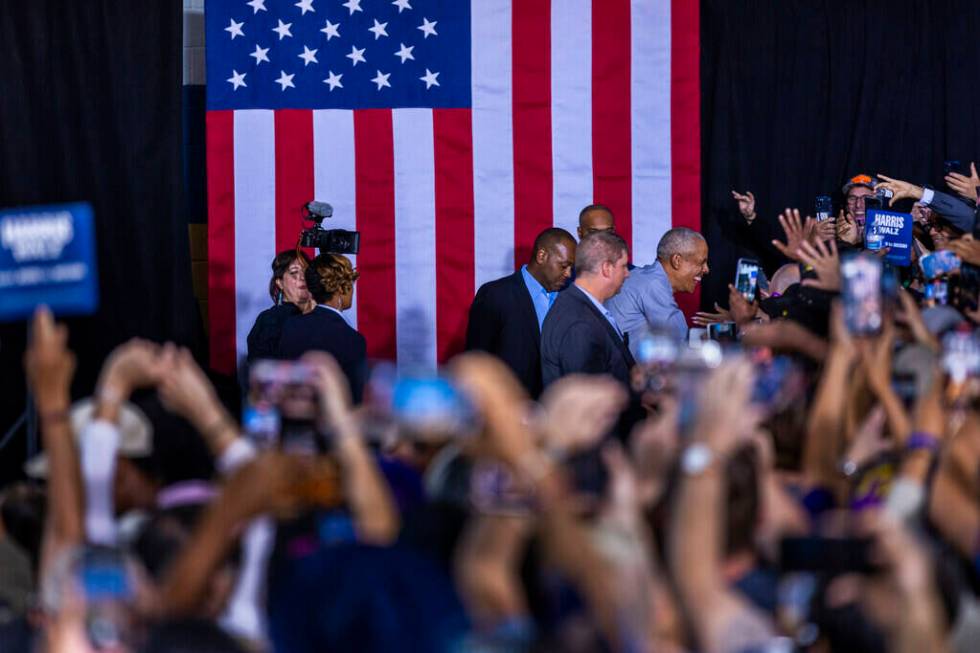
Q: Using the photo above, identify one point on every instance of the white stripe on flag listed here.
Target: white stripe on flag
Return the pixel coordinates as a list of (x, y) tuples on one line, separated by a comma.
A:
[(571, 110), (415, 237), (650, 111), (493, 141), (255, 217), (333, 175)]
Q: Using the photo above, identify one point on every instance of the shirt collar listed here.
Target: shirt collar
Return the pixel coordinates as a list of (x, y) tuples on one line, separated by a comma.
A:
[(331, 308), (598, 304), (532, 284)]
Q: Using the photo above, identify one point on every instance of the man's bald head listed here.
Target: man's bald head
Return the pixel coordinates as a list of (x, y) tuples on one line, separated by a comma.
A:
[(552, 258), (593, 218)]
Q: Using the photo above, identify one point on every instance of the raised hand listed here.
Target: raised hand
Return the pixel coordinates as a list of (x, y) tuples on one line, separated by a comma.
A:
[(742, 310), (965, 187), (334, 391), (578, 410), (847, 229), (703, 319), (902, 190), (825, 230), (823, 258), (967, 249), (746, 205), (726, 416), (48, 362), (797, 231)]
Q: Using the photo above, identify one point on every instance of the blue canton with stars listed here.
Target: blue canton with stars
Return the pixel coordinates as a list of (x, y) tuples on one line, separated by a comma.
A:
[(338, 54)]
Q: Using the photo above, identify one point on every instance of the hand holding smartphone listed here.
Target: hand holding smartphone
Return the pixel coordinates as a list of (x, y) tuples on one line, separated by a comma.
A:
[(747, 278)]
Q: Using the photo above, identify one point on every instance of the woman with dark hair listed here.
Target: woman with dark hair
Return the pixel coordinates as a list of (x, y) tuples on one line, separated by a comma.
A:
[(330, 280), (287, 288)]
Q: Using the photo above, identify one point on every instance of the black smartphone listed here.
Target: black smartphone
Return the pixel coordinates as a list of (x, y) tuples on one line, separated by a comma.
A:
[(834, 556), (824, 207), (861, 277), (953, 165)]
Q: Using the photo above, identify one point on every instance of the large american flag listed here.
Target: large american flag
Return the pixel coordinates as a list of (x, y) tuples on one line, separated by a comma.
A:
[(449, 133)]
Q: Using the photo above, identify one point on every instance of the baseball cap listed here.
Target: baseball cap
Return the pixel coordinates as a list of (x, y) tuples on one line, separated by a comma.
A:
[(859, 180), (135, 434)]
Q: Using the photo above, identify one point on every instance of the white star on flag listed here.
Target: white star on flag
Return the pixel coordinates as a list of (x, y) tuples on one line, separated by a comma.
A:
[(305, 5), (283, 30), (430, 79), (308, 56), (237, 79), (428, 28), (257, 6), (235, 29), (401, 4), (378, 29), (405, 52), (285, 80), (353, 5), (334, 80), (356, 55), (260, 54), (331, 30), (381, 80)]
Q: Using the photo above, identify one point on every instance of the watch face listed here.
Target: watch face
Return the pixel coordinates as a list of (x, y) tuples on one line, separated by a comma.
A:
[(696, 459)]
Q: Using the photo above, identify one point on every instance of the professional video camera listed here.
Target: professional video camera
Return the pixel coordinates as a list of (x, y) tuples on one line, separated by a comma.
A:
[(336, 241)]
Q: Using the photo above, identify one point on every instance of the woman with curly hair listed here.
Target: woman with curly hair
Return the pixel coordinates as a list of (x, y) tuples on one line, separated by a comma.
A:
[(330, 280)]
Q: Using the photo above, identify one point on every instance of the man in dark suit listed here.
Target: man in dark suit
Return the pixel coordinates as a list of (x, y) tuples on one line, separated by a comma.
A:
[(580, 335), (507, 313)]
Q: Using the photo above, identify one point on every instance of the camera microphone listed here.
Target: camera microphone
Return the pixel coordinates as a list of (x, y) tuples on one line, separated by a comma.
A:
[(319, 209)]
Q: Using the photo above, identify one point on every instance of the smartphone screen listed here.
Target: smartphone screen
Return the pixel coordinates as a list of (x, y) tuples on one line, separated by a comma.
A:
[(747, 277), (952, 165), (722, 332), (861, 293), (823, 207), (282, 406)]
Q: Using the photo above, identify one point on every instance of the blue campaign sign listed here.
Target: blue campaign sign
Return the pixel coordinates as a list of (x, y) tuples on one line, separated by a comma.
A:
[(891, 230), (47, 256)]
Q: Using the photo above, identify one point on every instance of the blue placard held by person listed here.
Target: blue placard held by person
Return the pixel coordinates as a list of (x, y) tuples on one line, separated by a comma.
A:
[(887, 229), (47, 256)]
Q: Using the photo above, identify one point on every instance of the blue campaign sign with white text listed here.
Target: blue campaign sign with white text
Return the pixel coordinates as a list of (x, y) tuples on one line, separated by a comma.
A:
[(47, 256), (892, 230)]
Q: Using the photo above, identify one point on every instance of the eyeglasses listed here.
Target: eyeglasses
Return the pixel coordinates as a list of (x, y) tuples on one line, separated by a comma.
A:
[(856, 201)]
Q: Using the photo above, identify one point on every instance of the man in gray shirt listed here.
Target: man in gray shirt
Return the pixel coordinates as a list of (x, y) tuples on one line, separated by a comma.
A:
[(646, 301)]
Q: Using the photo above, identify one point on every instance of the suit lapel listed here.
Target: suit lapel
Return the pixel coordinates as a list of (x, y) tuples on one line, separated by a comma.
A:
[(610, 330), (525, 305)]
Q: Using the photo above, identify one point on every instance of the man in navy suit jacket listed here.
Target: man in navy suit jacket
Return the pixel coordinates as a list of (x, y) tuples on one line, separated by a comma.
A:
[(507, 313), (580, 335)]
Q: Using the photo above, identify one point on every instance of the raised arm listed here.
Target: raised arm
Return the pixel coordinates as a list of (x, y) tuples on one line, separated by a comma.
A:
[(50, 366)]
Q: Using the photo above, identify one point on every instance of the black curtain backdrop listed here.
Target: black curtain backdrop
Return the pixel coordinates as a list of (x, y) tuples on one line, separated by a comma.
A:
[(90, 110), (799, 95)]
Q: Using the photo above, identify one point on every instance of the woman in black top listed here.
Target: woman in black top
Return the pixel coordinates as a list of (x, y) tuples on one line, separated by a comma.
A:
[(287, 288), (330, 279)]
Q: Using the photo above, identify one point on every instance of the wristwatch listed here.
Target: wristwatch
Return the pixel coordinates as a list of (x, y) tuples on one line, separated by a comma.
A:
[(696, 459)]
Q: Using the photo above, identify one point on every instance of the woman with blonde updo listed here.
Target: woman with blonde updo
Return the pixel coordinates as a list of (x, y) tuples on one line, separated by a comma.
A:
[(330, 280)]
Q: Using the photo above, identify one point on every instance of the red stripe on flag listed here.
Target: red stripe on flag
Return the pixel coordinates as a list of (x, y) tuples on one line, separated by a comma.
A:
[(294, 173), (374, 169), (453, 144), (611, 161), (531, 34), (221, 238), (685, 124)]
